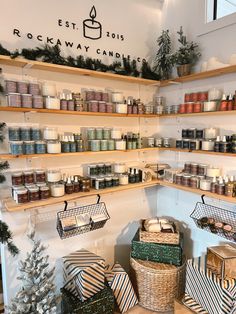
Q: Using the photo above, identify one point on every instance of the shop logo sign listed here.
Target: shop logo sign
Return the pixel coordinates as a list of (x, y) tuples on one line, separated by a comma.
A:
[(92, 29)]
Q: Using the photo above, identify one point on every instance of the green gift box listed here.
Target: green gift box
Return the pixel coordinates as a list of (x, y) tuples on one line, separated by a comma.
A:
[(101, 303), (155, 252)]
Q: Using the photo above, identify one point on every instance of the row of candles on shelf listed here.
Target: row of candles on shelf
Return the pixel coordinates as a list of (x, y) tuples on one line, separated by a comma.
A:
[(38, 96), (31, 140), (203, 177), (39, 184)]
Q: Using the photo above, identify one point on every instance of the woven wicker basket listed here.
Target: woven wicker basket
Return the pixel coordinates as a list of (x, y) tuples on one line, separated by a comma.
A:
[(158, 284), (159, 237)]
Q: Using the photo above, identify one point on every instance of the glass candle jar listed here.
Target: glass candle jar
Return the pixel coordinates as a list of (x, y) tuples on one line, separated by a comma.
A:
[(120, 145), (16, 147), (34, 88), (22, 87), (50, 133), (14, 100), (37, 101), (17, 179), (53, 176), (35, 134), (158, 142), (26, 101), (108, 168), (28, 177), (98, 95), (202, 169), (105, 96), (10, 86), (63, 104), (95, 145), (91, 134), (111, 145), (90, 94), (14, 133), (116, 134), (29, 147), (108, 182), (85, 184), (57, 190), (93, 106), (80, 146), (44, 192), (92, 170), (52, 103), (22, 196), (34, 194), (104, 145), (100, 183), (119, 168), (109, 107), (117, 97), (25, 133), (40, 147), (106, 133), (101, 170), (121, 108), (40, 176), (205, 185), (99, 133), (149, 109), (54, 147), (115, 181), (101, 106), (123, 179)]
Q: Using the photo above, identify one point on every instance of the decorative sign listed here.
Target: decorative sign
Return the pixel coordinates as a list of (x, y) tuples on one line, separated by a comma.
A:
[(103, 29)]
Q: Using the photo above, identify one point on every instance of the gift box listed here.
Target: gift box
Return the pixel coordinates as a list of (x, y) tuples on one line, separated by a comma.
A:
[(122, 288), (221, 260), (156, 252), (214, 295), (101, 303), (83, 274)]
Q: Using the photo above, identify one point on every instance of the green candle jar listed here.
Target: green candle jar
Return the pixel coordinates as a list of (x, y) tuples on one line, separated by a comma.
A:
[(95, 145), (91, 134), (99, 133), (104, 144), (106, 133), (111, 145)]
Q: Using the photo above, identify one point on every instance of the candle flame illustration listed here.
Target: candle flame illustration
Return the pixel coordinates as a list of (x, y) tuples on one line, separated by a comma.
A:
[(93, 13)]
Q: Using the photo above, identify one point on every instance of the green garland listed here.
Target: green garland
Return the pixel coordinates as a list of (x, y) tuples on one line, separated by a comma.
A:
[(6, 238), (52, 54)]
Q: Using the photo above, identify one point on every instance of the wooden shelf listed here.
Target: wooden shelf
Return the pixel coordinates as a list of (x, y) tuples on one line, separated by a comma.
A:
[(210, 113), (200, 76), (205, 152), (11, 205), (197, 191), (37, 65), (9, 156), (77, 113)]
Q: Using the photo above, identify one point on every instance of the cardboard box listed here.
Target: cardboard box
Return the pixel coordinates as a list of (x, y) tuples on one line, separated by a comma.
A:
[(221, 260)]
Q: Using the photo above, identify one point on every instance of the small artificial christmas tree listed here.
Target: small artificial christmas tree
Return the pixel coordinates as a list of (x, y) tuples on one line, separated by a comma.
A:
[(37, 294)]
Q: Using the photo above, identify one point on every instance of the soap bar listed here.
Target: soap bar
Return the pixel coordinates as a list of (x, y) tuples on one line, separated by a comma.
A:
[(68, 223), (167, 227), (154, 228), (82, 220), (100, 217)]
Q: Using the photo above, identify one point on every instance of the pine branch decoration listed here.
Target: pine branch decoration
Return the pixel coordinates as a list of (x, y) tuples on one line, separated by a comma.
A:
[(6, 238)]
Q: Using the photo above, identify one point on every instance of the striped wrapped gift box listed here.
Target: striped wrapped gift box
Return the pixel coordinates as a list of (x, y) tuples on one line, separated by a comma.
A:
[(122, 288), (214, 295), (83, 274)]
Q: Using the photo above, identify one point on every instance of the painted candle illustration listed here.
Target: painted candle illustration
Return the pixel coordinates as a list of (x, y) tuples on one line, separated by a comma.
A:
[(92, 29)]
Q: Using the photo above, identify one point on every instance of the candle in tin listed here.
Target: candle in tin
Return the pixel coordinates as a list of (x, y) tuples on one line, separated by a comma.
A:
[(54, 147), (120, 145), (14, 100), (53, 176)]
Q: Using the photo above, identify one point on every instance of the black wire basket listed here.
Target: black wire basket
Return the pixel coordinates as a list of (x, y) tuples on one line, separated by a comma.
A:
[(90, 211), (216, 220)]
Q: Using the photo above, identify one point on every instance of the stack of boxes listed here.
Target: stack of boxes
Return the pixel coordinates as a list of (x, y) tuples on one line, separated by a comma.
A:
[(211, 281), (90, 288)]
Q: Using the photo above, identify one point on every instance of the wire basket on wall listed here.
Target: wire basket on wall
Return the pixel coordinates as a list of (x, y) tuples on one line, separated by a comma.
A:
[(216, 220), (74, 221)]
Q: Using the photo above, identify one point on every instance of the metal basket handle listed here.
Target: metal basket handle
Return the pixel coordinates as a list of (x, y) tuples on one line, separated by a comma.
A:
[(202, 197), (98, 201)]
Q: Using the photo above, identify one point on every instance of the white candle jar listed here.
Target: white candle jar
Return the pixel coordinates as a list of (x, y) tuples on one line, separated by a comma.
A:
[(50, 133), (213, 172), (54, 147), (123, 179), (208, 145), (53, 176), (119, 168), (57, 190), (210, 106), (117, 97), (121, 108), (52, 103), (116, 134), (211, 133), (205, 185), (48, 89), (120, 145)]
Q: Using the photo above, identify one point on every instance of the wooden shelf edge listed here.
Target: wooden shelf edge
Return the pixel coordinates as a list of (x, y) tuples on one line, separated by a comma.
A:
[(209, 113), (11, 205), (21, 62), (204, 152), (199, 76), (77, 113), (79, 154), (197, 191)]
